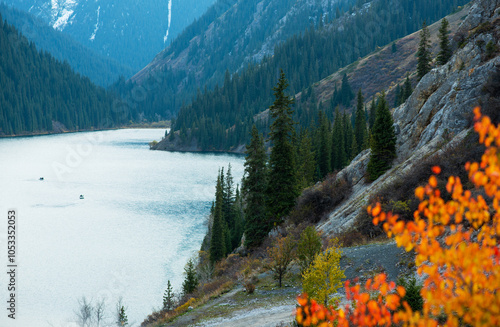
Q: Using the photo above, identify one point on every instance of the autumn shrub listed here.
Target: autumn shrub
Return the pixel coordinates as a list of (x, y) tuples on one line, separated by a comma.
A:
[(250, 288), (398, 196), (281, 255), (324, 276), (308, 247), (319, 200), (456, 252)]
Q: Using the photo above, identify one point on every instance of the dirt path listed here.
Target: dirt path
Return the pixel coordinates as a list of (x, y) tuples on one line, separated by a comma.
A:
[(270, 306)]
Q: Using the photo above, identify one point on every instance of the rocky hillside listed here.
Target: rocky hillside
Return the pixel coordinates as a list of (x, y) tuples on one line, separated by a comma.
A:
[(385, 68), (438, 115)]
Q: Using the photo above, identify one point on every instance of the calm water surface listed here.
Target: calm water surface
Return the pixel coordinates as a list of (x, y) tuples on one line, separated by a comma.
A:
[(143, 215)]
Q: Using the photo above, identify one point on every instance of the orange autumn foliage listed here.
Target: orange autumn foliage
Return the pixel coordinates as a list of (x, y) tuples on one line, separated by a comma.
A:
[(457, 253)]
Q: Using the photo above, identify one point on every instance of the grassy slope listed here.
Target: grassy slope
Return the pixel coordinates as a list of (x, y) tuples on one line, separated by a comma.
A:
[(382, 69)]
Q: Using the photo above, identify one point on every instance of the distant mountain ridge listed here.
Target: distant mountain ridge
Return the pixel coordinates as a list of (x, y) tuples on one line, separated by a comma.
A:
[(129, 31), (221, 120), (101, 70)]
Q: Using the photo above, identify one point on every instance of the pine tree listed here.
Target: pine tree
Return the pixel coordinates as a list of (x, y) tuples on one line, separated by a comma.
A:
[(306, 163), (423, 53), (373, 110), (218, 238), (349, 140), (168, 298), (282, 186), (397, 97), (324, 155), (445, 53), (346, 93), (191, 280), (360, 132), (383, 142), (237, 233), (407, 89), (339, 157), (253, 189), (122, 317)]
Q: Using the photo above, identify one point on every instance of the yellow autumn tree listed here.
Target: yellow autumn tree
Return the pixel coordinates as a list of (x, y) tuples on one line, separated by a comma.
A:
[(281, 256), (324, 277), (457, 253)]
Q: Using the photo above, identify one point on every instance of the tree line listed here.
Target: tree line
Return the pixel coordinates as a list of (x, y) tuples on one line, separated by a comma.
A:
[(221, 119), (37, 91)]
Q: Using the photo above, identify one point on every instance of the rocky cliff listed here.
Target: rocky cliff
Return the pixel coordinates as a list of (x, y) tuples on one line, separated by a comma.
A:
[(438, 115)]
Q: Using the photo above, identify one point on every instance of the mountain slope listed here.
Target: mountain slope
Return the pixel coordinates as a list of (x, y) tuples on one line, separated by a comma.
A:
[(101, 70), (221, 120), (434, 124), (131, 32), (383, 69), (42, 95)]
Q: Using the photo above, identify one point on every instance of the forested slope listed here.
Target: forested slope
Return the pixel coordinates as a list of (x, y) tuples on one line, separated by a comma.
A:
[(221, 119), (41, 95), (101, 70)]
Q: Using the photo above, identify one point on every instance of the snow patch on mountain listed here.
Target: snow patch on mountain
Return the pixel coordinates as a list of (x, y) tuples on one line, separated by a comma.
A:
[(165, 38), (92, 37), (61, 12)]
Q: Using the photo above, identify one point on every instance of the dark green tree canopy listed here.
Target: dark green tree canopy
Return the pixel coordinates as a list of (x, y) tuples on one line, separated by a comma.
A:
[(383, 142), (423, 53), (282, 186), (445, 52)]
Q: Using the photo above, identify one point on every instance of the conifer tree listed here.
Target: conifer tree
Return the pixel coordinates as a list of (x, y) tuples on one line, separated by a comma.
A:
[(237, 233), (349, 140), (168, 298), (324, 155), (397, 97), (373, 110), (282, 186), (191, 280), (339, 157), (407, 88), (423, 53), (346, 92), (218, 238), (360, 132), (253, 189), (383, 142), (306, 163), (444, 43)]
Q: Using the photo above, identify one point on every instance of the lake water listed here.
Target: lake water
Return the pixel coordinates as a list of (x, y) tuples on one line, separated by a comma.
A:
[(143, 215)]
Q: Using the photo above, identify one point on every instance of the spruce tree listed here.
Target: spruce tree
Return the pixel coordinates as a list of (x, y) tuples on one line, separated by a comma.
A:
[(339, 157), (191, 280), (218, 238), (306, 163), (397, 97), (324, 164), (346, 93), (383, 142), (407, 89), (168, 297), (282, 186), (445, 53), (373, 110), (349, 140), (423, 53), (253, 189), (360, 132)]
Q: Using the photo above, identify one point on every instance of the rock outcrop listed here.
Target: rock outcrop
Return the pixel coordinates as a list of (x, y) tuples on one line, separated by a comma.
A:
[(439, 112)]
